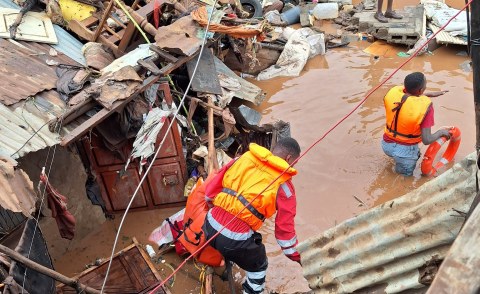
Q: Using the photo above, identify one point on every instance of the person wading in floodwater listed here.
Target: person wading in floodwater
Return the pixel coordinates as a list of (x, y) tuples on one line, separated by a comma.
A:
[(389, 13), (409, 119), (237, 184)]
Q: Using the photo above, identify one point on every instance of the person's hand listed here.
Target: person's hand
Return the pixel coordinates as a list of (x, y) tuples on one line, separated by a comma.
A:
[(440, 93), (436, 94), (445, 133)]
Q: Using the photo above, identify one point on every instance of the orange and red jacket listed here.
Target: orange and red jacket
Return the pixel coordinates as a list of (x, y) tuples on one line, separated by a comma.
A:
[(240, 181), (404, 115)]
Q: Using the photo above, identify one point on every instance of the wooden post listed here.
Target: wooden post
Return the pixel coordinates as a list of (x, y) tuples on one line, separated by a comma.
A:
[(105, 16), (209, 280), (212, 153), (46, 271)]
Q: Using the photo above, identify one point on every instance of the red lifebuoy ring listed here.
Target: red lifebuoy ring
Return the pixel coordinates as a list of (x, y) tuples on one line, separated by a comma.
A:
[(430, 169)]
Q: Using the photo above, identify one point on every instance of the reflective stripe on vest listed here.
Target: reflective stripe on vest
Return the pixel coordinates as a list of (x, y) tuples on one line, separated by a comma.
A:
[(245, 203)]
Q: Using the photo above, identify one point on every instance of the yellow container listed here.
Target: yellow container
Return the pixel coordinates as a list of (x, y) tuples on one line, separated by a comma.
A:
[(73, 10)]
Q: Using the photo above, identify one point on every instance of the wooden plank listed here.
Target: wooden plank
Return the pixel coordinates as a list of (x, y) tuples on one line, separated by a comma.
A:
[(117, 105), (80, 29), (105, 16), (35, 26), (164, 54), (144, 11)]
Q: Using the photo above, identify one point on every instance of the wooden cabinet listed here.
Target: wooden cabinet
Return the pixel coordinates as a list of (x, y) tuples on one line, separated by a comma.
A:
[(164, 183)]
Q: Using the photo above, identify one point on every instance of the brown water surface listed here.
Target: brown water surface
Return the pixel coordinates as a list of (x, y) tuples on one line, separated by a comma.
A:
[(349, 161)]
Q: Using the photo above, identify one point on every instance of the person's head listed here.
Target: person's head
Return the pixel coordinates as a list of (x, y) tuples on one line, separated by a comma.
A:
[(288, 149), (415, 83)]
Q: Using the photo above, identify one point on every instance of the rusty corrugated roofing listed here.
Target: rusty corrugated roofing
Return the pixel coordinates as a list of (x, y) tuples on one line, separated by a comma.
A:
[(24, 71), (26, 103), (387, 248)]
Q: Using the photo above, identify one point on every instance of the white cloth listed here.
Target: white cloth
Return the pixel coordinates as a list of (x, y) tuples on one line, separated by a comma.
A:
[(439, 13), (144, 145)]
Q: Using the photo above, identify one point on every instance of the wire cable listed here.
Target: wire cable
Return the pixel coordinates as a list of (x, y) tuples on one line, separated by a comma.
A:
[(158, 150), (314, 144)]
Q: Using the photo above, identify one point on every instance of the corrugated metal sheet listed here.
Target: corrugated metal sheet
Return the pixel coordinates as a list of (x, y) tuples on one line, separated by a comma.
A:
[(459, 271), (23, 72), (445, 38), (67, 44), (386, 246), (24, 126)]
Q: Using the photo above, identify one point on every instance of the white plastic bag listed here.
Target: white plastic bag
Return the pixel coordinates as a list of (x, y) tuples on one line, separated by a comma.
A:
[(163, 234)]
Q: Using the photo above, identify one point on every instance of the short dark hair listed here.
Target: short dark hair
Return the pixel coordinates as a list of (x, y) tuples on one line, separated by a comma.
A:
[(414, 82), (287, 146)]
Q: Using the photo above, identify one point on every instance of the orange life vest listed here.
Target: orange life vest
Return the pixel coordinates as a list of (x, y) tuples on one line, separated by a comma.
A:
[(246, 178), (193, 236), (404, 119)]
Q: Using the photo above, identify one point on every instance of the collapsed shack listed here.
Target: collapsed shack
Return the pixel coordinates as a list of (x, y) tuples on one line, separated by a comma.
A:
[(397, 246), (109, 104)]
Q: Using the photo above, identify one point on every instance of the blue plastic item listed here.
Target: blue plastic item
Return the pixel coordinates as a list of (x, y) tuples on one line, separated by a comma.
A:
[(291, 16)]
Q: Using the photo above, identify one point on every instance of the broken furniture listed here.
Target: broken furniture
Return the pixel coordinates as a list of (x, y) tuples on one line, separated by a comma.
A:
[(95, 29), (131, 272), (164, 183)]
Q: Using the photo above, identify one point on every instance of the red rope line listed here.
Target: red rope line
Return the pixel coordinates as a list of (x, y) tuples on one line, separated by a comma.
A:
[(315, 143)]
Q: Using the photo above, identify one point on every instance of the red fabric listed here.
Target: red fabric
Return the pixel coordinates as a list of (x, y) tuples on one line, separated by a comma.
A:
[(428, 122), (176, 228), (58, 205), (284, 221)]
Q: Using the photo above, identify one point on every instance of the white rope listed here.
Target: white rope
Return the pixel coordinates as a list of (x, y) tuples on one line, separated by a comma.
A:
[(158, 149)]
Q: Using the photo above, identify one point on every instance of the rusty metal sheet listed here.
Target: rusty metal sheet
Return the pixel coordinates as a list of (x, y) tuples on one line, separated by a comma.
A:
[(16, 188), (181, 37), (390, 246), (24, 71), (459, 271), (115, 86), (206, 78)]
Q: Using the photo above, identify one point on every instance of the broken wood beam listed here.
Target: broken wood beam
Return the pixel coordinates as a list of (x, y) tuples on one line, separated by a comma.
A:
[(205, 105), (117, 105), (102, 22), (71, 114), (212, 153), (46, 271), (209, 280), (164, 54)]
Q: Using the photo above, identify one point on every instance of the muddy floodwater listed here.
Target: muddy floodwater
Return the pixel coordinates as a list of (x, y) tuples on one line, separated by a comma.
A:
[(348, 162)]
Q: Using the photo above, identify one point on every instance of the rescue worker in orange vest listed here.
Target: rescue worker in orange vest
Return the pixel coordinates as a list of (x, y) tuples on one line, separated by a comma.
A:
[(233, 188), (409, 118)]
